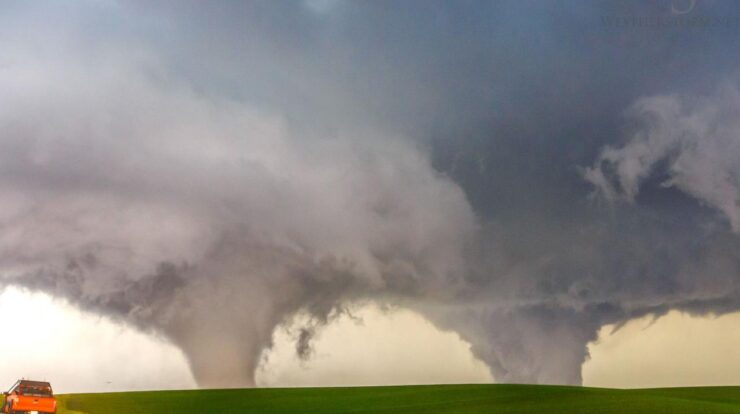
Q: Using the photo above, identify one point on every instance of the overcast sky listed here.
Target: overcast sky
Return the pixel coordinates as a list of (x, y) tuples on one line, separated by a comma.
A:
[(514, 177)]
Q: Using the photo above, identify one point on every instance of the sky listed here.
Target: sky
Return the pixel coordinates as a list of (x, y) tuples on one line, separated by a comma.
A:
[(375, 346), (513, 179)]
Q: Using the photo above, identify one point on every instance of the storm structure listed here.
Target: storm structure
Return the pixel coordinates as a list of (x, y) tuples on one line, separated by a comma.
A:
[(520, 172)]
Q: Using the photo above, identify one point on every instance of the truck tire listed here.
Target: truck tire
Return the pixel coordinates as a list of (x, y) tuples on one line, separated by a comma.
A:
[(11, 411)]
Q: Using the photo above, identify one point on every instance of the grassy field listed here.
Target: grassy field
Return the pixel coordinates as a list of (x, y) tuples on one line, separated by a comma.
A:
[(458, 399)]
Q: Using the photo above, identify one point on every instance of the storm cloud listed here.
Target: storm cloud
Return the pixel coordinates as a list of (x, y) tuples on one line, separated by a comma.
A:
[(522, 173)]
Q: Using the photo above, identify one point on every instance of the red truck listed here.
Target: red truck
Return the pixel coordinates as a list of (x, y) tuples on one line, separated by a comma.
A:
[(30, 397)]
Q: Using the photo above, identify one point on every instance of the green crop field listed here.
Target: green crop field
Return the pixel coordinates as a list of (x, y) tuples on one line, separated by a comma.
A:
[(457, 399)]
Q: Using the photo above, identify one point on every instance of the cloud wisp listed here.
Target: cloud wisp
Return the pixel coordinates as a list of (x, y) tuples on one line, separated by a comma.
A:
[(693, 143)]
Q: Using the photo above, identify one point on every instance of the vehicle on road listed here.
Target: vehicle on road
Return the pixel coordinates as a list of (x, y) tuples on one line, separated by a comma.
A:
[(29, 397)]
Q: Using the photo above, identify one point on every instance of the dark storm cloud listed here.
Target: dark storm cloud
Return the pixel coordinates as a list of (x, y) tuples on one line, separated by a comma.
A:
[(521, 172)]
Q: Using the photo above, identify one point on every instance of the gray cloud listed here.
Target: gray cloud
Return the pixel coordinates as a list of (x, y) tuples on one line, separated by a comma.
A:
[(208, 172)]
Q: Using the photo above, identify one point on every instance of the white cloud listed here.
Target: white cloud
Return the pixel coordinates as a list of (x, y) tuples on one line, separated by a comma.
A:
[(699, 142)]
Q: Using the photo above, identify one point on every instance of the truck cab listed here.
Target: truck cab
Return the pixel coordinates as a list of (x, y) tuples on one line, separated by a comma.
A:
[(29, 397)]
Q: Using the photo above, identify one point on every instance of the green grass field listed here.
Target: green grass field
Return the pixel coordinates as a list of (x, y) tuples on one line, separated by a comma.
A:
[(457, 399)]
